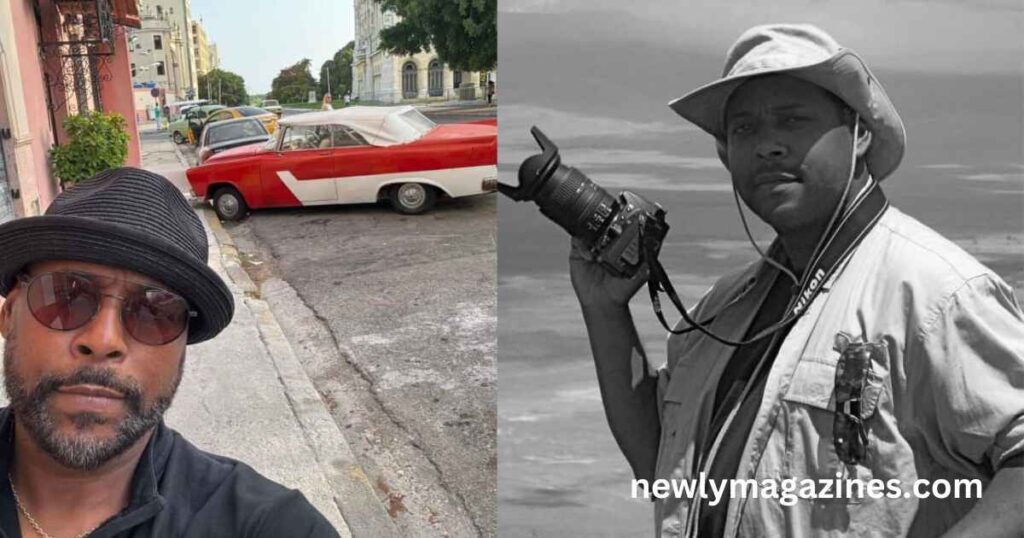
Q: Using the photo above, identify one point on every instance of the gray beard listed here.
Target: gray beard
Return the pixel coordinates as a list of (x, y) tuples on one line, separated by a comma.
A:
[(31, 408)]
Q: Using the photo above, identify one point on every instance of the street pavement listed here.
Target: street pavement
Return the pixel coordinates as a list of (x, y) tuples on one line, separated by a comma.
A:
[(392, 317)]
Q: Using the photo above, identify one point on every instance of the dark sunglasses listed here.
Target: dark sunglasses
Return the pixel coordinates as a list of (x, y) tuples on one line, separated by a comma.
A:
[(65, 301)]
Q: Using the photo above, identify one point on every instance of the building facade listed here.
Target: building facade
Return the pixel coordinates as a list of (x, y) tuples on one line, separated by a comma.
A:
[(382, 77), (204, 51), (157, 56), (162, 49), (57, 58)]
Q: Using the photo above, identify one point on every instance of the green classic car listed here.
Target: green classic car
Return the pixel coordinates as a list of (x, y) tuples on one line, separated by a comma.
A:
[(180, 128)]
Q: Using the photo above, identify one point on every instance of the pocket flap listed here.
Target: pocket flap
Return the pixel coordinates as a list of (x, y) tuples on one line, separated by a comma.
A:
[(812, 384)]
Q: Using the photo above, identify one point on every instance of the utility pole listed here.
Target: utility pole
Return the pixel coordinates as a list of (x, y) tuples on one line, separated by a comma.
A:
[(220, 93), (328, 68)]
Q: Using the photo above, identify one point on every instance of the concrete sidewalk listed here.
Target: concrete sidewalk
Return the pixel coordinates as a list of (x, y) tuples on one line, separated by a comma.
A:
[(159, 155), (245, 395), (234, 401)]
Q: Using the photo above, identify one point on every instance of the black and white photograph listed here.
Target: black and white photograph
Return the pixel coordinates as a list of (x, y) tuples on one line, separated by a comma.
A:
[(833, 193)]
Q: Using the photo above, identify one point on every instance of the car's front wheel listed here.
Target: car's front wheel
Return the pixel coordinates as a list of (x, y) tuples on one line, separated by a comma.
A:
[(178, 138), (412, 198), (229, 204)]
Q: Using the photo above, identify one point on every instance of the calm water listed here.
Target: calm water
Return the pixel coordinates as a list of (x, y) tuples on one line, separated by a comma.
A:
[(560, 472)]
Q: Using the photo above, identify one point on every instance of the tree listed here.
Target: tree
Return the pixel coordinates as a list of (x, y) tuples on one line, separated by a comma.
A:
[(224, 87), (293, 83), (340, 66), (464, 33)]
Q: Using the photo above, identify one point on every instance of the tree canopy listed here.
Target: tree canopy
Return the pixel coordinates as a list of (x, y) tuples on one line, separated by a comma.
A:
[(464, 33), (222, 86), (340, 66), (293, 83)]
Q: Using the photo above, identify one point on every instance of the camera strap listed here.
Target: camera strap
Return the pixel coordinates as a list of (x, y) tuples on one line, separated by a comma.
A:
[(847, 235)]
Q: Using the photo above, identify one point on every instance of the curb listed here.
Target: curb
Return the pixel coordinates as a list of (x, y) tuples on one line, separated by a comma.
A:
[(363, 511), (180, 156), (228, 252)]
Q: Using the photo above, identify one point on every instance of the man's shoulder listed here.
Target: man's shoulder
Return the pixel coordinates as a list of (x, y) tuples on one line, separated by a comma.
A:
[(909, 248), (218, 489)]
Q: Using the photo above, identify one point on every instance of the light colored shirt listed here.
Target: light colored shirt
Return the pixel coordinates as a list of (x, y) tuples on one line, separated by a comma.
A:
[(946, 402)]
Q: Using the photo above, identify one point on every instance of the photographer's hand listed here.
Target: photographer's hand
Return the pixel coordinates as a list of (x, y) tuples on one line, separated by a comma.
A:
[(632, 411), (595, 286)]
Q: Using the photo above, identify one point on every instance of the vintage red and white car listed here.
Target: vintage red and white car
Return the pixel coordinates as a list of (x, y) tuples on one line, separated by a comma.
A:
[(354, 155)]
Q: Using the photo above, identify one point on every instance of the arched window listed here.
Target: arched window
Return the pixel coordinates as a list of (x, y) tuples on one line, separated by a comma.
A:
[(410, 88), (435, 79)]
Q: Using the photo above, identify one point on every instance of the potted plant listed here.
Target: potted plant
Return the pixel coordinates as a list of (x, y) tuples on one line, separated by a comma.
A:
[(96, 142)]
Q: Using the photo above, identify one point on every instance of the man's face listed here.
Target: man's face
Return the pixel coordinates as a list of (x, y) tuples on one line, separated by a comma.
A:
[(88, 394), (788, 148)]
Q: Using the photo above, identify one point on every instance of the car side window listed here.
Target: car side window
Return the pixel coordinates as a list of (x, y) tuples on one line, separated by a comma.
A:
[(346, 137), (300, 137)]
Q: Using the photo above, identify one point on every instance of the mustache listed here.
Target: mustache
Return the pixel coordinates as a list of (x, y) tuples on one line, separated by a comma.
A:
[(90, 375)]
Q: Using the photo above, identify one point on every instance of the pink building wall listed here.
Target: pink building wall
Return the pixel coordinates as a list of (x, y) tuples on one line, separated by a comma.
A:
[(118, 96), (35, 102)]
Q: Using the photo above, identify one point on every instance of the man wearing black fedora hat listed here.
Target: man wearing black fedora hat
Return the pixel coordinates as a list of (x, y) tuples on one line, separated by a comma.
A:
[(863, 347), (103, 294)]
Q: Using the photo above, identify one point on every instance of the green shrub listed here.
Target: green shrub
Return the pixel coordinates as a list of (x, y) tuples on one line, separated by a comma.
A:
[(96, 142)]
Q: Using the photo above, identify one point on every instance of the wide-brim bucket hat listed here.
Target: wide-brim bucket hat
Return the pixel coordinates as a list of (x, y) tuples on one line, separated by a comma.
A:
[(130, 219), (808, 53)]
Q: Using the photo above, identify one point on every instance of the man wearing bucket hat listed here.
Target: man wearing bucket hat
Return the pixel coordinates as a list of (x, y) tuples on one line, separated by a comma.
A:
[(862, 347), (103, 293)]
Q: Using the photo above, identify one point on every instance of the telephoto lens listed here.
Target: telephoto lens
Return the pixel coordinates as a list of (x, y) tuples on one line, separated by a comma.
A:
[(563, 193)]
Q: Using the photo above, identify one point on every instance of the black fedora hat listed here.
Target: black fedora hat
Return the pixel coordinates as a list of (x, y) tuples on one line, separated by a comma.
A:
[(131, 219)]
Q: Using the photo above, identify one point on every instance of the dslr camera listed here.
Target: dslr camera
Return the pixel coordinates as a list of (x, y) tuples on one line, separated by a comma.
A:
[(615, 230)]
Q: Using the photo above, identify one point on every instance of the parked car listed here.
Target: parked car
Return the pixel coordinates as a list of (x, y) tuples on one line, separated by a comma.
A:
[(268, 118), (227, 134), (179, 108), (271, 105), (354, 155), (196, 115)]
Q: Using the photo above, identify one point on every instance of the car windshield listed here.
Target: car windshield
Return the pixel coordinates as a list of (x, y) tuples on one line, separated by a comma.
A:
[(236, 130), (251, 111)]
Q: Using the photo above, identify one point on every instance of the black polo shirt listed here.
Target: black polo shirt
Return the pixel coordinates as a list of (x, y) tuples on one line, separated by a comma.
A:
[(179, 490)]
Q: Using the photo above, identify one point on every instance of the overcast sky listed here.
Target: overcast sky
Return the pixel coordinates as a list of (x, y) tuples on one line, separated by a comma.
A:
[(932, 35), (258, 38)]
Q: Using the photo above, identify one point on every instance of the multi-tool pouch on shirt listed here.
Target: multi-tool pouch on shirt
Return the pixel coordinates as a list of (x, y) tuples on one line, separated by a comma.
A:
[(855, 396)]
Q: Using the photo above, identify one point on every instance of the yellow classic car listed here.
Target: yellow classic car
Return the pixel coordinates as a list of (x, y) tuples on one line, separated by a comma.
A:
[(267, 118)]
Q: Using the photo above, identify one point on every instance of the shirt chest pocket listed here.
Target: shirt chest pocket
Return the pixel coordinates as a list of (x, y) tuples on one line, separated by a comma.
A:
[(809, 409)]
